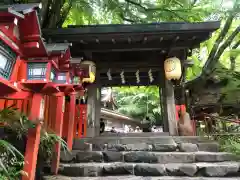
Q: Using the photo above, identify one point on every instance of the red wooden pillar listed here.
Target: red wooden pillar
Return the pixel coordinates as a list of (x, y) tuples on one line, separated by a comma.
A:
[(33, 140), (66, 120), (71, 119), (84, 116), (60, 103), (79, 121), (83, 119)]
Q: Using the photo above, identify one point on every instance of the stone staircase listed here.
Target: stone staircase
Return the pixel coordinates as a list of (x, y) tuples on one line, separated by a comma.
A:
[(147, 157)]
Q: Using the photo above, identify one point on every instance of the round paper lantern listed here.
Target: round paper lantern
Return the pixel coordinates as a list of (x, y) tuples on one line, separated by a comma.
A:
[(92, 71), (92, 66), (172, 67)]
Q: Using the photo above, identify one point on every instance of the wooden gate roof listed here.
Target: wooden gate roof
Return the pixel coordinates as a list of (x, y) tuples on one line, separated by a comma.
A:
[(130, 48)]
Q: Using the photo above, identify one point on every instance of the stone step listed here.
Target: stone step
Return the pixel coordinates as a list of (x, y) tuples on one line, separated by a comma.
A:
[(145, 169), (138, 178), (142, 143), (146, 157), (78, 143), (146, 134), (184, 147)]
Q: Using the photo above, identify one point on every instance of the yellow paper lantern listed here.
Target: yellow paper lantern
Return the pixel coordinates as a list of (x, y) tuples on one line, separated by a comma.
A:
[(172, 67), (92, 71)]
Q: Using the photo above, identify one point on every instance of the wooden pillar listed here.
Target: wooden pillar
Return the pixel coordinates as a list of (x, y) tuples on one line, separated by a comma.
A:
[(169, 108), (94, 107), (163, 102), (91, 110), (59, 106), (33, 139), (163, 121), (71, 119)]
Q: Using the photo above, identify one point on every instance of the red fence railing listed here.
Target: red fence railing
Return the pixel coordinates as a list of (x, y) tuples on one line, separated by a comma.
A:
[(80, 125)]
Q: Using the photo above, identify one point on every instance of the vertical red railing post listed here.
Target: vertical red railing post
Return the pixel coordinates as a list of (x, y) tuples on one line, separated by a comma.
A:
[(71, 119), (59, 106), (33, 139), (65, 120), (75, 130), (83, 110), (80, 122)]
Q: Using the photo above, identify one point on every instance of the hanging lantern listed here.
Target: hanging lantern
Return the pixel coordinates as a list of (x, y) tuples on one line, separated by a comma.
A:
[(92, 71), (172, 67)]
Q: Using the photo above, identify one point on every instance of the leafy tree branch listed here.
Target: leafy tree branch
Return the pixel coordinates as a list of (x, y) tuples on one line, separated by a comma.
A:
[(232, 58)]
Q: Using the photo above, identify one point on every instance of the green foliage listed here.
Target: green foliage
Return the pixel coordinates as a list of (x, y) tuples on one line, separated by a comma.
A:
[(18, 124), (224, 131), (139, 102), (229, 143), (47, 142), (11, 160), (16, 121), (138, 11)]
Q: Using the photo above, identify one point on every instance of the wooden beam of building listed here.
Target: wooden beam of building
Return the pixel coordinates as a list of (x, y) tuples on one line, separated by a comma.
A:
[(97, 31), (118, 69), (109, 47)]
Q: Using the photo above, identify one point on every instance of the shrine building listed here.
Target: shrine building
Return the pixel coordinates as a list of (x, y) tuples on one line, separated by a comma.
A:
[(56, 75)]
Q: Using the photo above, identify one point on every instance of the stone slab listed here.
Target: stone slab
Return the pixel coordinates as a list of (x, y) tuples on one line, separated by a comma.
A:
[(82, 145), (138, 178), (149, 170), (219, 169), (147, 134), (188, 147), (214, 156), (208, 146), (110, 156), (140, 156), (138, 140), (148, 157), (118, 169), (175, 157), (81, 170), (165, 147), (146, 169), (91, 156)]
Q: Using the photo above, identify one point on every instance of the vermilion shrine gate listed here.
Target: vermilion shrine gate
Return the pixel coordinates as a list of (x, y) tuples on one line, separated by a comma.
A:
[(42, 79)]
